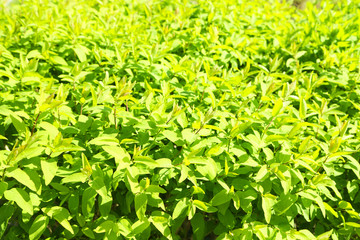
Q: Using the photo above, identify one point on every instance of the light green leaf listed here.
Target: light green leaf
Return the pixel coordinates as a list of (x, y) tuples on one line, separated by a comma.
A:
[(58, 60), (75, 177), (18, 123), (99, 186), (284, 203), (49, 168), (3, 188), (104, 141), (268, 201), (220, 198), (180, 207), (21, 198), (203, 206), (88, 232), (161, 221), (148, 161), (28, 178), (189, 135), (81, 54), (140, 205), (303, 108), (38, 227), (312, 195), (61, 215), (325, 235), (139, 226), (277, 107), (262, 174), (104, 227), (353, 165), (88, 201), (155, 189)]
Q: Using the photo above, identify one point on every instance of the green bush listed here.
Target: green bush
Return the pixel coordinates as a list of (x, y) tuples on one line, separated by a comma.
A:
[(179, 120)]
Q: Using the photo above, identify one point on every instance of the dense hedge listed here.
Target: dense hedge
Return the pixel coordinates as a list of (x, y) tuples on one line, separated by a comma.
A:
[(179, 120)]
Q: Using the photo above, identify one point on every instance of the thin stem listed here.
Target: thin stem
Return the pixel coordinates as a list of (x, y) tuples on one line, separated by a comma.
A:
[(321, 167), (115, 117), (33, 128), (267, 127), (147, 150), (182, 147), (228, 146), (202, 95), (201, 127)]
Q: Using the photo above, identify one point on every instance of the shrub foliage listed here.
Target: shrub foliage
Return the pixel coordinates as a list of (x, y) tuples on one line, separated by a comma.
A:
[(179, 119)]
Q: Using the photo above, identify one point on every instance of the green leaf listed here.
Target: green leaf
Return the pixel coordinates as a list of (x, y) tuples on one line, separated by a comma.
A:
[(155, 189), (220, 198), (28, 178), (49, 168), (312, 195), (180, 207), (198, 226), (209, 170), (74, 178), (58, 60), (6, 212), (61, 215), (18, 123), (88, 201), (277, 107), (325, 235), (139, 226), (304, 145), (236, 199), (81, 54), (116, 152), (99, 186), (105, 226), (161, 221), (352, 224), (334, 144), (189, 135), (284, 203), (173, 137), (38, 227), (203, 206), (147, 161), (246, 198), (239, 128), (140, 205), (164, 163), (104, 141), (262, 174), (88, 232), (301, 235), (21, 198), (353, 165), (268, 201), (3, 188), (303, 108), (122, 157)]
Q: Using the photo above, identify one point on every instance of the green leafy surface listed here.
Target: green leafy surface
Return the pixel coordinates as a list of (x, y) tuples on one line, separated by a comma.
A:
[(179, 119)]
